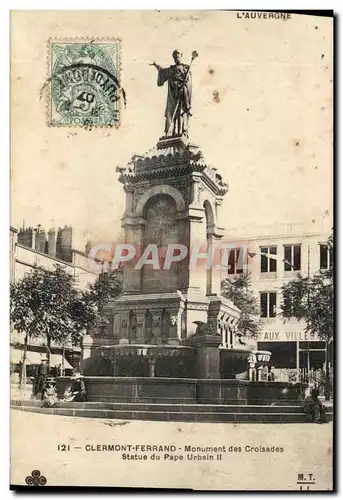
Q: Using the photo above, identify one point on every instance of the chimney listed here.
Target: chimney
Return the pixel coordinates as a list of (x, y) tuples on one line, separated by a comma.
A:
[(26, 237), (64, 244), (52, 242), (40, 239)]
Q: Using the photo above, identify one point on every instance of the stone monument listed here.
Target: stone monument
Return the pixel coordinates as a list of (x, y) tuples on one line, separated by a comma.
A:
[(173, 197)]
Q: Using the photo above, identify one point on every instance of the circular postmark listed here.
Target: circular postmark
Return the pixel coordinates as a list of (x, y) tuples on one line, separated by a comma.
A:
[(85, 88)]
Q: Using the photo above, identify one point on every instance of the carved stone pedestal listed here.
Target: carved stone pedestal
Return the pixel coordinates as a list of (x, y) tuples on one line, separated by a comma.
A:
[(173, 199), (207, 355)]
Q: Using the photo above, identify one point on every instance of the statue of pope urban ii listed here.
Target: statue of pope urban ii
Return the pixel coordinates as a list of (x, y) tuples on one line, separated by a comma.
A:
[(178, 108)]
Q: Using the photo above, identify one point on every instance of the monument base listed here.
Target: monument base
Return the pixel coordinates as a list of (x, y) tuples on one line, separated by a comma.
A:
[(187, 391)]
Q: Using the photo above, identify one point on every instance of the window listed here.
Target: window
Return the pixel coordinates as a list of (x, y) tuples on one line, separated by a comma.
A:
[(284, 354), (292, 257), (268, 304), (268, 263), (325, 257), (237, 260), (312, 345)]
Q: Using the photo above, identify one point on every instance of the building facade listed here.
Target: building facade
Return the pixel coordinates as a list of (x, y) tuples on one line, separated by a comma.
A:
[(34, 247), (271, 261)]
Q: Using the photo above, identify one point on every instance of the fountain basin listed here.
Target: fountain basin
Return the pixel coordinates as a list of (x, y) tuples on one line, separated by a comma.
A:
[(166, 390)]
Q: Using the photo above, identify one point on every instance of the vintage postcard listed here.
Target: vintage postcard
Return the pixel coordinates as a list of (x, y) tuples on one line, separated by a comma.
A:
[(171, 250)]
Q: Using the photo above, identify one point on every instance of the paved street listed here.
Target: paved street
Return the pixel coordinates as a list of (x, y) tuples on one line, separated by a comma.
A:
[(36, 437)]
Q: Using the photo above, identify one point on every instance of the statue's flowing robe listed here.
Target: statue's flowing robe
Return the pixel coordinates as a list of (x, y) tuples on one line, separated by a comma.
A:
[(179, 98)]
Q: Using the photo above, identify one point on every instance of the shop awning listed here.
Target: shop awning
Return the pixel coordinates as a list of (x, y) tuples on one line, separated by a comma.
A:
[(32, 358), (16, 356), (35, 358), (56, 359)]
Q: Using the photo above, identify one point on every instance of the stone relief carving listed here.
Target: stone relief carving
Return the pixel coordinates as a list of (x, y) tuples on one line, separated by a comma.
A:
[(200, 307), (140, 320), (173, 320), (183, 185), (156, 321), (199, 191), (205, 328), (158, 305)]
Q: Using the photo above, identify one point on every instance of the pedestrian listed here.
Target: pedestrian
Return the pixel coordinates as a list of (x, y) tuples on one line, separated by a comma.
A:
[(50, 394), (271, 374), (41, 378), (315, 408), (77, 392)]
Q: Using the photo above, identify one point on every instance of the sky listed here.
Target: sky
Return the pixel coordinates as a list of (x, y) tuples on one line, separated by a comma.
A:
[(262, 115)]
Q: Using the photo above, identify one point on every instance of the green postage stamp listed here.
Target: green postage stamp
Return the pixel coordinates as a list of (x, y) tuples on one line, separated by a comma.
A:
[(84, 77)]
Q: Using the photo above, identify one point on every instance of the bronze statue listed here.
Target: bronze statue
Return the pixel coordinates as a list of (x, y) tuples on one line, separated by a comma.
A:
[(179, 100)]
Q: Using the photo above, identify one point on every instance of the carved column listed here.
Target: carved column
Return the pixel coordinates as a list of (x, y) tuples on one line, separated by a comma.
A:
[(183, 266), (229, 336), (148, 327), (197, 240), (124, 325), (128, 189), (197, 189), (133, 327), (232, 322), (216, 272), (222, 332), (175, 327), (210, 243), (156, 325), (216, 237), (197, 303), (133, 236), (116, 327), (220, 327), (140, 326)]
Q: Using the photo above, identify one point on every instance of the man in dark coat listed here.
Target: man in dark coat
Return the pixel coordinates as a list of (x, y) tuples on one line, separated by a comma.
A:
[(271, 374), (315, 408), (41, 378), (78, 388)]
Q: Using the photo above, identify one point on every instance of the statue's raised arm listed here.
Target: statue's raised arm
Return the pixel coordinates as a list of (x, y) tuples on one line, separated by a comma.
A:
[(157, 66), (179, 99)]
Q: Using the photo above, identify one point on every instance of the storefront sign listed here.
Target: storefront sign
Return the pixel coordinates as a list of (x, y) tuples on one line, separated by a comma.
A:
[(285, 336)]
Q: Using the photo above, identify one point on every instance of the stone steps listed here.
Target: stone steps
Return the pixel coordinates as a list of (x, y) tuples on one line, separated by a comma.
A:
[(176, 413), (183, 408)]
